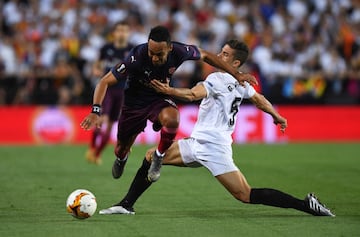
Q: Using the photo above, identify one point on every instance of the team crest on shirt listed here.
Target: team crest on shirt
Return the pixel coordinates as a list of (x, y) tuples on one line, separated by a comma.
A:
[(172, 70), (121, 68)]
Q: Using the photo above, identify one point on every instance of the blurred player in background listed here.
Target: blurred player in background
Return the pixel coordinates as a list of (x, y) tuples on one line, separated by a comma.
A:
[(157, 59), (110, 55), (210, 141)]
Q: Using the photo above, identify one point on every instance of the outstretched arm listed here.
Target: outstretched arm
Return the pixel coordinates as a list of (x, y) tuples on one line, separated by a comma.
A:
[(215, 61), (99, 94), (198, 92), (262, 103), (101, 88)]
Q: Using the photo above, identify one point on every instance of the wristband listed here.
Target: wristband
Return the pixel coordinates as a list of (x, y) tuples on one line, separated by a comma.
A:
[(96, 109)]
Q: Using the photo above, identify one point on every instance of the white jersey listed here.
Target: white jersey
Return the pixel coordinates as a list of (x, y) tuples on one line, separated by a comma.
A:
[(217, 113)]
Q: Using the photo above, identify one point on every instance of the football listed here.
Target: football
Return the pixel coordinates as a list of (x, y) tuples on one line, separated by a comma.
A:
[(81, 204)]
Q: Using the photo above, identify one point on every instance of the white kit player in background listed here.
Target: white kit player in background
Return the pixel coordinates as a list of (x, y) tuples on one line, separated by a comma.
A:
[(210, 142)]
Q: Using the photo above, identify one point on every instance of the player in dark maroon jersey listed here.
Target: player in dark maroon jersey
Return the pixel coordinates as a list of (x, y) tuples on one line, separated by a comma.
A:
[(110, 54), (155, 60)]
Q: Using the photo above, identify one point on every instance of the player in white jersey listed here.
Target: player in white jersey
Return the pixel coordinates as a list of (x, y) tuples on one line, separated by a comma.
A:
[(210, 142), (217, 113)]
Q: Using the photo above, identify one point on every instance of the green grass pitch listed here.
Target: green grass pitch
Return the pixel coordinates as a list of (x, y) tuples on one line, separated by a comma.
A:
[(36, 180)]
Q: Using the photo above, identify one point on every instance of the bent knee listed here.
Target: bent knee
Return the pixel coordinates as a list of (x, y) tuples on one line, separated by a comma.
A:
[(169, 118), (170, 122), (243, 195)]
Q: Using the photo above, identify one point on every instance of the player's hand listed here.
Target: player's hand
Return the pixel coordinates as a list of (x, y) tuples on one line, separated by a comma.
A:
[(242, 77), (161, 87), (90, 120), (282, 121)]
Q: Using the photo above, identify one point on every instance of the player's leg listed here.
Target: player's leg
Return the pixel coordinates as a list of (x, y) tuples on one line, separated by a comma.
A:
[(172, 156), (218, 160), (141, 183), (237, 185), (169, 119), (112, 106), (122, 150), (108, 121), (96, 138), (107, 125), (114, 103), (99, 137), (131, 123), (90, 153)]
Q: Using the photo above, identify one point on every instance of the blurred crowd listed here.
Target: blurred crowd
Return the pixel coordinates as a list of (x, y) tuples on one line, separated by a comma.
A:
[(302, 51)]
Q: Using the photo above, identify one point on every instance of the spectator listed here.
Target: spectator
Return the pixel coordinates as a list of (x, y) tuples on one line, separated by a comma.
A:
[(292, 42)]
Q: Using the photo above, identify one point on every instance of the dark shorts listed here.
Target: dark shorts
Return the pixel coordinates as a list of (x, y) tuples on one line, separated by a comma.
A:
[(134, 120), (113, 102)]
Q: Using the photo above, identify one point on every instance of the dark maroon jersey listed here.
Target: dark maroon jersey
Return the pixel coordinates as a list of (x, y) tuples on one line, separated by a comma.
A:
[(110, 55), (136, 71)]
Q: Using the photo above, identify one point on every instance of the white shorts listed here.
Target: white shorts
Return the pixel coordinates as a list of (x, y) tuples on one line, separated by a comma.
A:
[(216, 158)]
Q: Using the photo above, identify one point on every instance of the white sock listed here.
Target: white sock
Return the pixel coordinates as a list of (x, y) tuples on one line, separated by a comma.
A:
[(122, 160), (159, 154)]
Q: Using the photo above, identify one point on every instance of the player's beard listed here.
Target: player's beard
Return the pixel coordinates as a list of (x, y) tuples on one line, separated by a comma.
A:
[(158, 63)]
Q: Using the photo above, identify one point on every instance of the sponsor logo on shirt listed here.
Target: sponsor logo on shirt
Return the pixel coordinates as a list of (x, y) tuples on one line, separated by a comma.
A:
[(147, 73), (172, 103)]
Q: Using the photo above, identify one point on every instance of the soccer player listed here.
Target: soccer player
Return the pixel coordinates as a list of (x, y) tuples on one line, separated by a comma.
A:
[(110, 54), (210, 141), (157, 59)]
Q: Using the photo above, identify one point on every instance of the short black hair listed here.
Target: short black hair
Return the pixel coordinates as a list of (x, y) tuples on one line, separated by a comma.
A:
[(160, 34), (120, 23), (241, 50)]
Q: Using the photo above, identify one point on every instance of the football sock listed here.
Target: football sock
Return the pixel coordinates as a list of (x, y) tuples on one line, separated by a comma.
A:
[(167, 136), (96, 133), (276, 198), (138, 185), (104, 140), (121, 155)]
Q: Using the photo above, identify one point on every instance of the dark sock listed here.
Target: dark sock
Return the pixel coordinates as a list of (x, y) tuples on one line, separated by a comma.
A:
[(276, 198), (138, 186)]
